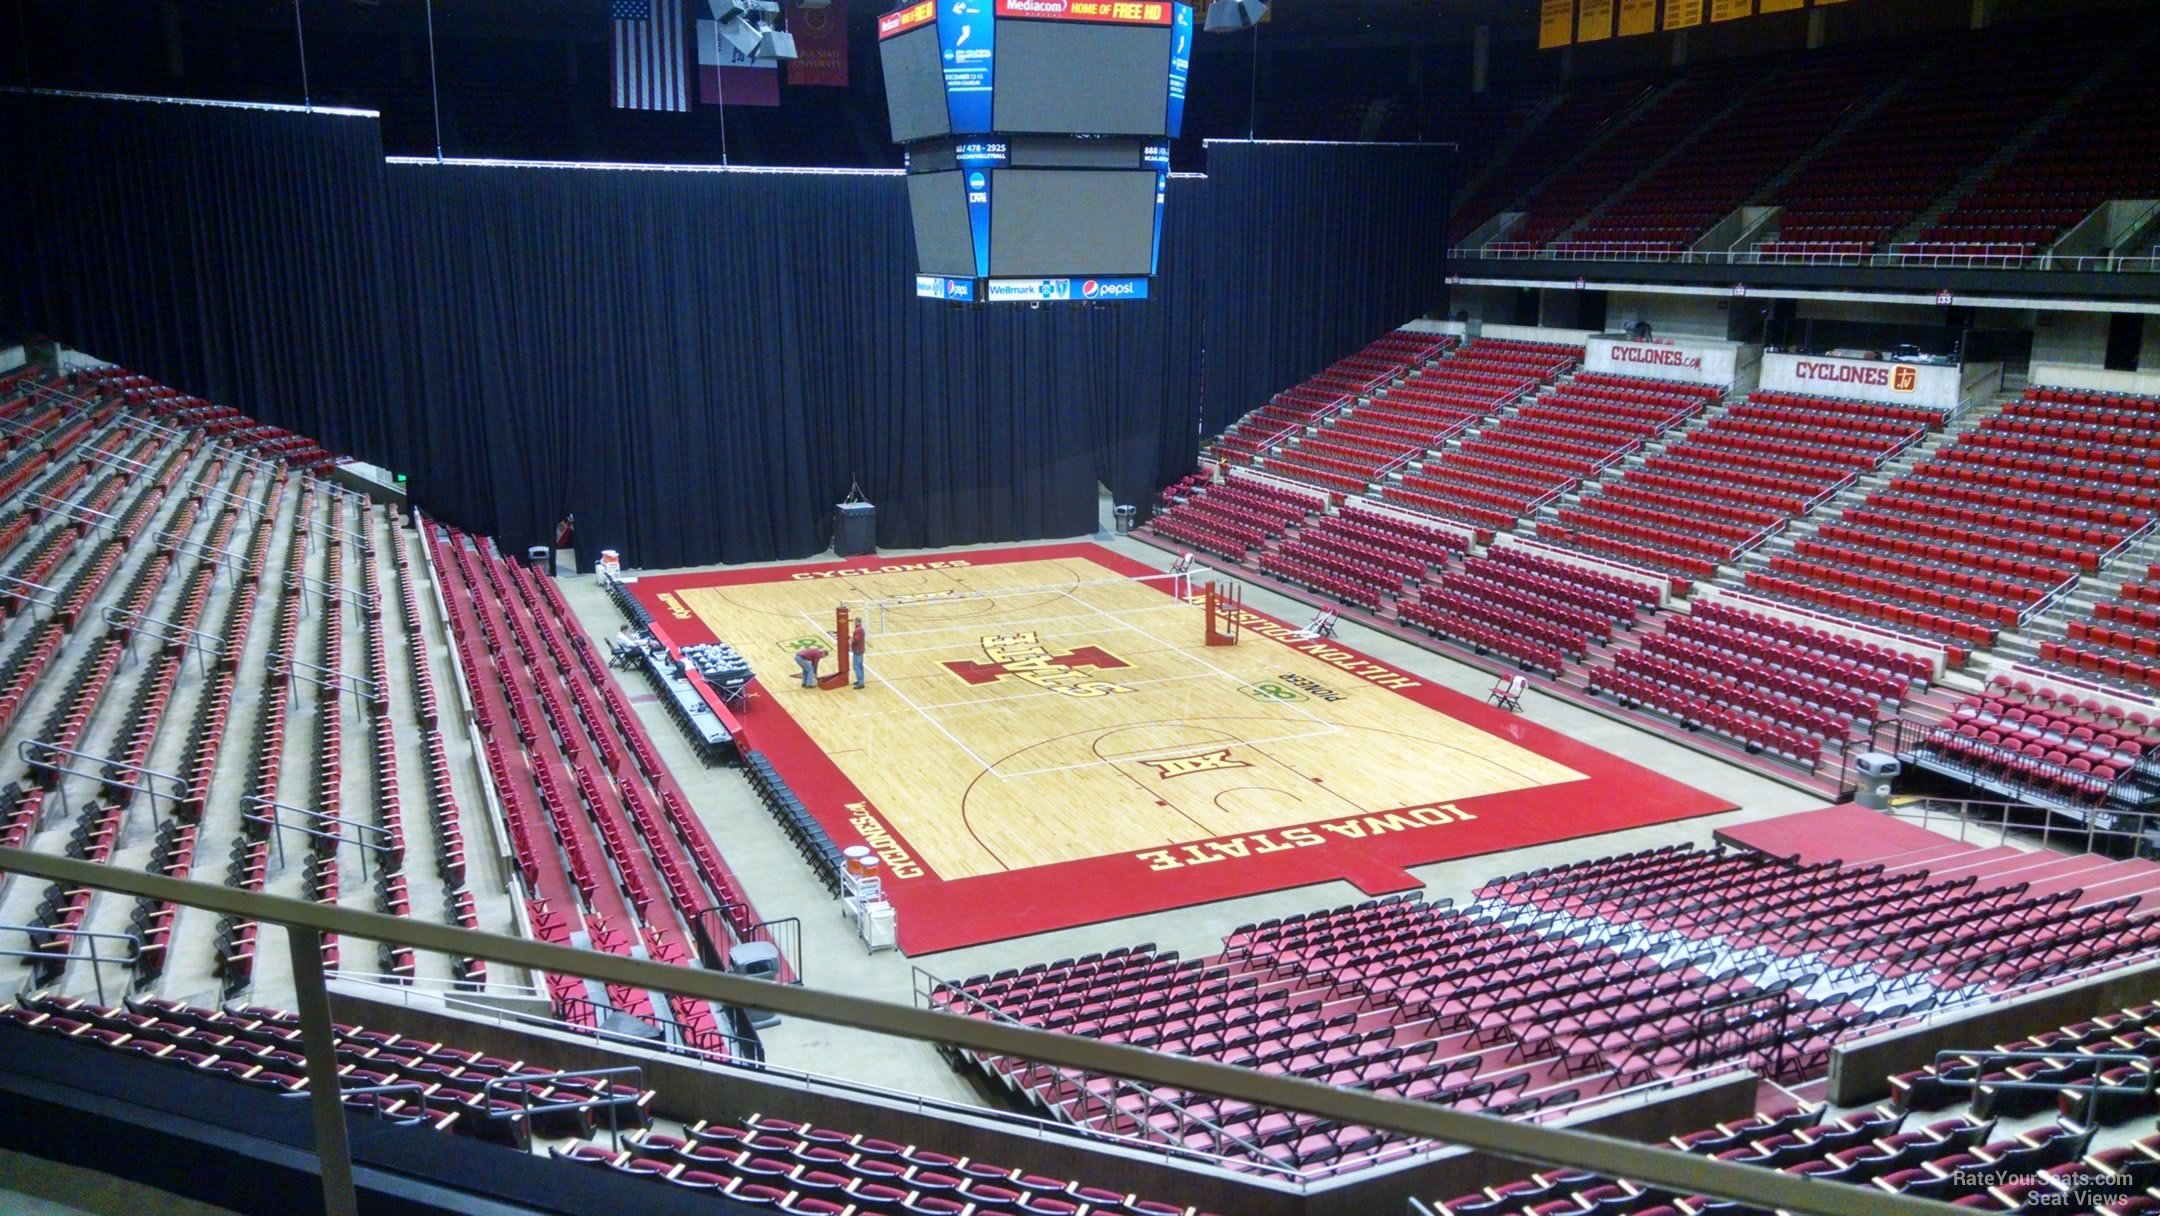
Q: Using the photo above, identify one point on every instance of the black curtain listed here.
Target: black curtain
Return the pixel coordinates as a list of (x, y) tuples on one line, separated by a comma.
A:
[(698, 363), (232, 252), (701, 364), (1314, 250)]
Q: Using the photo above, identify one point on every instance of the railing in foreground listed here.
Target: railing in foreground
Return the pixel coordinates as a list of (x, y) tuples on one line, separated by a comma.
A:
[(1548, 1146)]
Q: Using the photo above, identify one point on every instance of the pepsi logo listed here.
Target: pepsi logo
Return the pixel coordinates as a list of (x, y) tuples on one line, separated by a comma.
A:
[(1088, 290)]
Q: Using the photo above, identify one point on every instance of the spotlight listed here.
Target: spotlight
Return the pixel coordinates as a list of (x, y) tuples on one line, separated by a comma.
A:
[(1226, 16), (775, 44)]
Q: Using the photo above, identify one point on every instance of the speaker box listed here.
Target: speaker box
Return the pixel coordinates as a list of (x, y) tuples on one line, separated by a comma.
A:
[(854, 529)]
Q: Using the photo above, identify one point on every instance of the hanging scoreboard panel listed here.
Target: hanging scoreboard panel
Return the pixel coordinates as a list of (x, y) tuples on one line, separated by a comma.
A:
[(1039, 64), (1036, 134)]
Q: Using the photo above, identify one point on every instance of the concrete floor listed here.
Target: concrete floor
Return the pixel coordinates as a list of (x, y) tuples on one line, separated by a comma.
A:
[(780, 884), (33, 1186)]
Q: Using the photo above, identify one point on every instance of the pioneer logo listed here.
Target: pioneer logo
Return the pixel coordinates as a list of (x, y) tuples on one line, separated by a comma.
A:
[(1656, 356)]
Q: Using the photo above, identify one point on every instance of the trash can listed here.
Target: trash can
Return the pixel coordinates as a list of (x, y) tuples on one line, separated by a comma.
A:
[(541, 557), (1125, 513), (1876, 772), (757, 961)]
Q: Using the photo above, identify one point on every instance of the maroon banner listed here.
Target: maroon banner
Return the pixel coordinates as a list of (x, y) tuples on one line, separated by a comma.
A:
[(821, 46)]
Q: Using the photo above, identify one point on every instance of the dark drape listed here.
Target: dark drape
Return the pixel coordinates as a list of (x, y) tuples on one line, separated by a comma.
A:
[(698, 363), (234, 252), (1314, 250)]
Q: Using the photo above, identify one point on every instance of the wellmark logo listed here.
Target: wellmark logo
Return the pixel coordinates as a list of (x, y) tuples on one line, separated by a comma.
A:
[(1215, 761), (1022, 656)]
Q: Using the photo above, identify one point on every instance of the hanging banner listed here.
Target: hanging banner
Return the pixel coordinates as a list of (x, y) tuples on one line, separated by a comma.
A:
[(1781, 6), (1637, 17), (1682, 14), (1594, 22), (1556, 24), (821, 50), (1731, 10), (728, 77)]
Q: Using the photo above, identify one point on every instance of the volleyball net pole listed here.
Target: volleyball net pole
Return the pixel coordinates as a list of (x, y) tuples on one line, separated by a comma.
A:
[(1180, 585)]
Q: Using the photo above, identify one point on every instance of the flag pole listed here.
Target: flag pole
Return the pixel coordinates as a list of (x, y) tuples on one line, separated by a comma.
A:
[(307, 95), (434, 93)]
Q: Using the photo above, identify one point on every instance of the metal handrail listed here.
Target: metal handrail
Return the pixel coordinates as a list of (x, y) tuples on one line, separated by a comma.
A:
[(27, 750), (224, 559), (97, 974), (368, 1091), (1980, 1061), (217, 493), (351, 595), (266, 818), (292, 667), (526, 1110), (210, 645), (75, 511), (10, 582), (119, 463), (306, 922)]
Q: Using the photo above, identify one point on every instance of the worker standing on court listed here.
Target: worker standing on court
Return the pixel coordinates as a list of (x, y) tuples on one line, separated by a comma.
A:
[(808, 658), (855, 645)]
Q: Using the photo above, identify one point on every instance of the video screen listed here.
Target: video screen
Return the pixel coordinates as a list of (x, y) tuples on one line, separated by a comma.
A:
[(944, 244), (1067, 77), (1063, 222), (915, 85)]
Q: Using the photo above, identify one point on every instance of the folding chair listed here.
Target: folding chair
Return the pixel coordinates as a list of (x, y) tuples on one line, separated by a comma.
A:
[(1507, 694)]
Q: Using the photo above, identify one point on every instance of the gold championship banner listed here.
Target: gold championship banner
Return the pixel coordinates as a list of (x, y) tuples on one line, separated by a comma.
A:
[(1567, 22), (1593, 22)]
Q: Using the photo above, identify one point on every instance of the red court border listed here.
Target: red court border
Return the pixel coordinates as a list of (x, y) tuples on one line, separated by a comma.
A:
[(938, 914)]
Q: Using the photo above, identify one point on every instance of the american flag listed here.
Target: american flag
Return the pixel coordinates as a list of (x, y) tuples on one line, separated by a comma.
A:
[(651, 60)]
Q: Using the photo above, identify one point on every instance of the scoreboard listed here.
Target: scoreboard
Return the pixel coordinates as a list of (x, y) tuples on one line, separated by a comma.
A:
[(1037, 138)]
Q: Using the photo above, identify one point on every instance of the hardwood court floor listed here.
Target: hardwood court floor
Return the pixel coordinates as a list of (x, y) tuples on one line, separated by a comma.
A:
[(1045, 730)]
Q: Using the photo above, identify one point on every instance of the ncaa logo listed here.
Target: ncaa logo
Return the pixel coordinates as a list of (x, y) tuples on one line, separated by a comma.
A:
[(976, 181), (1905, 379)]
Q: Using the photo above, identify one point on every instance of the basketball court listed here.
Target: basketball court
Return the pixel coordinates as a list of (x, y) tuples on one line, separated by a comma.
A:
[(1047, 739)]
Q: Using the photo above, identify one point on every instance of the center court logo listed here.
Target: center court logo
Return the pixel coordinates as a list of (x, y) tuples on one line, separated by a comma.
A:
[(1215, 761), (1023, 657)]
